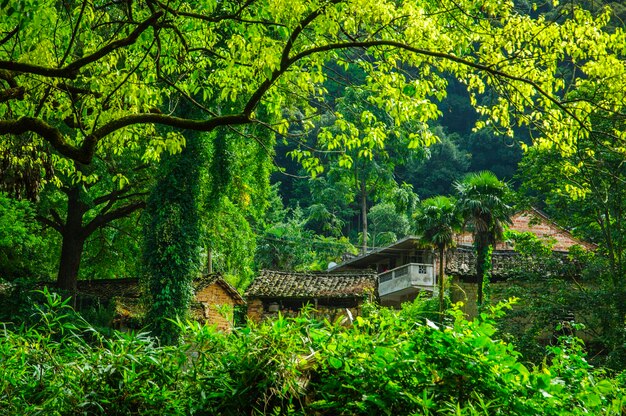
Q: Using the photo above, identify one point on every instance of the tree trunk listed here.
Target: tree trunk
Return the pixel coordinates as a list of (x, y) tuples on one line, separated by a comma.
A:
[(441, 281), (73, 236), (71, 254), (481, 253), (364, 216)]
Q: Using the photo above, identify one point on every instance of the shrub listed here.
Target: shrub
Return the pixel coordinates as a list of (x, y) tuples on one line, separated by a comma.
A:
[(387, 362)]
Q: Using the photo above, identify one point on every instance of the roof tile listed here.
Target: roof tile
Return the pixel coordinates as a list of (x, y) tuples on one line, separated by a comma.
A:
[(348, 284)]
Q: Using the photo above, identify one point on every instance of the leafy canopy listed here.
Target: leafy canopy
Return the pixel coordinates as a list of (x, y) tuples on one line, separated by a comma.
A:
[(437, 220), (87, 79)]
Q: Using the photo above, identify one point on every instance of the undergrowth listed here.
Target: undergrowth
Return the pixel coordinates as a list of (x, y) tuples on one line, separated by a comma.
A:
[(384, 362)]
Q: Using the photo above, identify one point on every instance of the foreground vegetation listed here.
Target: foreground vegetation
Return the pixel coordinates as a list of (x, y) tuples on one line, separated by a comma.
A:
[(386, 362)]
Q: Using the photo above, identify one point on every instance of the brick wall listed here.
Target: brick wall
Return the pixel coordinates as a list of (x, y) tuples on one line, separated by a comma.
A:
[(215, 306), (255, 310), (529, 221)]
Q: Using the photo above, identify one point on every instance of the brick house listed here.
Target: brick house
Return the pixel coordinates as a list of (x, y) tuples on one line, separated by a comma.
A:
[(330, 294), (405, 268), (538, 223), (214, 300)]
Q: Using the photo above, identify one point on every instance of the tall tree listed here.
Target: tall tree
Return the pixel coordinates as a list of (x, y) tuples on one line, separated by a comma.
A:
[(482, 202), (585, 190), (436, 221), (78, 210), (81, 79), (172, 238), (366, 167)]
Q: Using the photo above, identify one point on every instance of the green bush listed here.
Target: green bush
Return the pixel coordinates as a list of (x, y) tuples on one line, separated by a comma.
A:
[(385, 362)]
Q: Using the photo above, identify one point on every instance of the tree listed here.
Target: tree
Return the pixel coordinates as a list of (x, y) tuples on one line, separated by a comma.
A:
[(436, 221), (366, 168), (78, 211), (171, 255), (22, 246), (286, 243), (388, 224), (482, 203), (83, 81), (435, 170), (585, 191)]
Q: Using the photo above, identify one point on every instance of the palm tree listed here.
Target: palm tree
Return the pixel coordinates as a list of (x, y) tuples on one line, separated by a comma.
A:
[(437, 220), (481, 203)]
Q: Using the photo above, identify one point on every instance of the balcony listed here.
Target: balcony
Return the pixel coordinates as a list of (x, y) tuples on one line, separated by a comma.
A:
[(402, 282)]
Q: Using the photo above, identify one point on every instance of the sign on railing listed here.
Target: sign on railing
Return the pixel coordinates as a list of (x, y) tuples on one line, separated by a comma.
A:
[(412, 269)]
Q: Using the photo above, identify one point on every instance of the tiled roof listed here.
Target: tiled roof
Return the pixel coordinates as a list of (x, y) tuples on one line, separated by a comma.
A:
[(349, 284), (129, 288), (505, 263)]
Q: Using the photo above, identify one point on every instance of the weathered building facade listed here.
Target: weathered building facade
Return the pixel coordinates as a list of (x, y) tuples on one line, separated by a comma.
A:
[(213, 303), (330, 294), (406, 268)]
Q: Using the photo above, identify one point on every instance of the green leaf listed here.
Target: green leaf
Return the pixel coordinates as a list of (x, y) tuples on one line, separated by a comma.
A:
[(335, 363)]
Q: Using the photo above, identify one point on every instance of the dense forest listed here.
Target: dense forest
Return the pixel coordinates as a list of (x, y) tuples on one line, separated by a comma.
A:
[(166, 140)]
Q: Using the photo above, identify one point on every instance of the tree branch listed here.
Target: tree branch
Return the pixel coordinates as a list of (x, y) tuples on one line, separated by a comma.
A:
[(285, 62), (47, 221), (71, 70), (8, 77), (9, 35), (172, 121), (16, 93), (51, 134), (102, 220)]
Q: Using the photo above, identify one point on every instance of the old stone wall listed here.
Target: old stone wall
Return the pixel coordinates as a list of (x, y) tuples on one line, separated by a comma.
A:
[(255, 310), (467, 292), (215, 306), (462, 262)]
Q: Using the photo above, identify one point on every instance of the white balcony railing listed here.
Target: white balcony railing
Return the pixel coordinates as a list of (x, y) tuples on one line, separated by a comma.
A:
[(408, 278)]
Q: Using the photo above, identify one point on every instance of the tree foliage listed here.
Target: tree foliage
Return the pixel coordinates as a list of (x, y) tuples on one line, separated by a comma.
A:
[(171, 254), (388, 224), (584, 189), (106, 74), (286, 243), (437, 221), (434, 170), (482, 203), (22, 245)]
